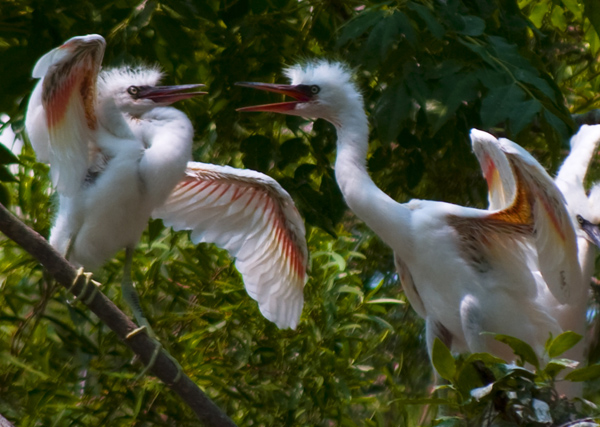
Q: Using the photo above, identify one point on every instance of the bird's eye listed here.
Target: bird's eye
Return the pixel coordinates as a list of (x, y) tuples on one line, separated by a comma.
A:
[(580, 219), (314, 89), (133, 90)]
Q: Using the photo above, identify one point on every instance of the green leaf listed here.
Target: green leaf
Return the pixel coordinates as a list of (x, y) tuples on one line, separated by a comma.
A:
[(393, 107), (155, 227), (385, 301), (486, 358), (509, 53), (405, 26), (430, 21), (4, 195), (523, 114), (359, 25), (499, 104), (449, 422), (457, 90), (383, 37), (521, 349), (6, 176), (376, 319), (472, 26), (291, 151), (592, 12), (562, 343), (538, 13), (346, 289), (555, 366), (574, 7), (558, 18), (257, 152), (442, 360), (587, 373), (6, 156)]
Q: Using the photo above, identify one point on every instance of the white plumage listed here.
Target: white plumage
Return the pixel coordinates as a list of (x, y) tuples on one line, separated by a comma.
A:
[(466, 271), (586, 207), (133, 149), (250, 215)]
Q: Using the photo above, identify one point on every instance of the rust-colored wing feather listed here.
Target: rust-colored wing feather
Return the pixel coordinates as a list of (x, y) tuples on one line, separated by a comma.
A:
[(251, 216), (68, 96)]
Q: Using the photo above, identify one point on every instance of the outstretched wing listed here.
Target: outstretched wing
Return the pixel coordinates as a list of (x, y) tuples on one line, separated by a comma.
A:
[(554, 234), (251, 216), (66, 116)]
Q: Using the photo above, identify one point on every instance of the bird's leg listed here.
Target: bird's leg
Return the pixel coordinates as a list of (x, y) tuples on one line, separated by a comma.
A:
[(131, 296), (80, 273), (70, 244), (133, 301), (87, 277)]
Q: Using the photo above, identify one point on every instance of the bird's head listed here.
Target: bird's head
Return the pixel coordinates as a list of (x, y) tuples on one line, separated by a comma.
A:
[(321, 90), (591, 230), (135, 90), (588, 215)]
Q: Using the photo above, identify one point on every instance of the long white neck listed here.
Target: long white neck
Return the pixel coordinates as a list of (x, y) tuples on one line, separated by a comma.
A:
[(387, 218), (167, 133)]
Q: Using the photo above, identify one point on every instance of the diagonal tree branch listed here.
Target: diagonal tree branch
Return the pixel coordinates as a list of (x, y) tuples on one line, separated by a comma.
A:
[(4, 422), (141, 344)]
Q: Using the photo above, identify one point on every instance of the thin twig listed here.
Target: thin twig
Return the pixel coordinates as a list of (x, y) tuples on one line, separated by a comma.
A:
[(141, 344)]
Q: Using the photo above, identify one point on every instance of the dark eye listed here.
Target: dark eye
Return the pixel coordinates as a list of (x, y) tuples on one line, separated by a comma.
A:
[(314, 89), (133, 90), (580, 219)]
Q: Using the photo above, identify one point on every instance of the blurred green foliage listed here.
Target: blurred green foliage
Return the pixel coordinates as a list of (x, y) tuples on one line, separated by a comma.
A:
[(429, 70)]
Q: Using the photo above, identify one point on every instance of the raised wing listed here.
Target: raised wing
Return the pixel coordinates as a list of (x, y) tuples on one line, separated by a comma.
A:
[(572, 173), (68, 93), (554, 234), (251, 216), (35, 124), (496, 169)]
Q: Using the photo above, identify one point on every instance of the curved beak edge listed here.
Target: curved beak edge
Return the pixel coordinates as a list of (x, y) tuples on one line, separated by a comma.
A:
[(281, 107), (170, 94)]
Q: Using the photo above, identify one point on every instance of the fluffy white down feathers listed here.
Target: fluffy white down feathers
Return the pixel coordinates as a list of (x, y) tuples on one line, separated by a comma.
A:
[(133, 159)]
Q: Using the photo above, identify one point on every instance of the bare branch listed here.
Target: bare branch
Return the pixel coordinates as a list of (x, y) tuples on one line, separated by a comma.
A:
[(4, 422), (141, 344)]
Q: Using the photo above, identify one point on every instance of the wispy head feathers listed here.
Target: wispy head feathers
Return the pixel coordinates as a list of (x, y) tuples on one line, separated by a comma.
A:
[(320, 72), (141, 75)]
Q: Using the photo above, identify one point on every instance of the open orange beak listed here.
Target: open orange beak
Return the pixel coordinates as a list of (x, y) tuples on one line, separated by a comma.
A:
[(301, 93)]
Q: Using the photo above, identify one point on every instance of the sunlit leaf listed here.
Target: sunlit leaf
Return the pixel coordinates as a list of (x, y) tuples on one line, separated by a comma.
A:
[(562, 343), (442, 360), (586, 373), (521, 349)]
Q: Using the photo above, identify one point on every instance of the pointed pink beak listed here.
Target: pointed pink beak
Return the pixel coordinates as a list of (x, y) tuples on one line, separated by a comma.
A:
[(299, 92), (169, 94)]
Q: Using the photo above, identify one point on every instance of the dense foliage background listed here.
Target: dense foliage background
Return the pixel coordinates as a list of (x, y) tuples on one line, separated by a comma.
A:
[(430, 70)]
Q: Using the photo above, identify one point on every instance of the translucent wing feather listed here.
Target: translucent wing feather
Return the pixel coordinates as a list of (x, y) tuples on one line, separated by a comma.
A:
[(527, 201), (554, 234), (35, 123), (251, 216), (496, 169), (68, 92)]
